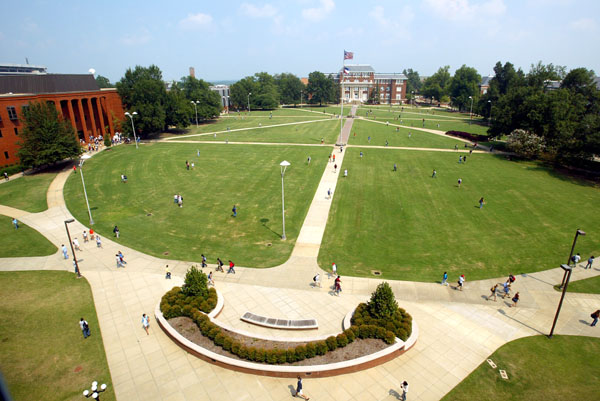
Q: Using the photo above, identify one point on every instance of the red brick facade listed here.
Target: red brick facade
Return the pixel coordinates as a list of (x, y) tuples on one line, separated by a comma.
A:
[(90, 113), (359, 82)]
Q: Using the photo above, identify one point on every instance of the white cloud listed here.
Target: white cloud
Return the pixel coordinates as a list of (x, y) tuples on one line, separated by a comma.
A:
[(465, 10), (318, 13), (395, 26), (584, 25), (196, 21), (136, 39), (266, 11), (29, 25)]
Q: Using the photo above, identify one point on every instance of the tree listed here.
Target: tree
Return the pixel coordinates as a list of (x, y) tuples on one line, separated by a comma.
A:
[(319, 87), (195, 283), (464, 85), (525, 143), (179, 110), (265, 94), (382, 304), (103, 82), (142, 90), (438, 85), (290, 88), (46, 138), (238, 92), (413, 82), (374, 95), (199, 91), (539, 74)]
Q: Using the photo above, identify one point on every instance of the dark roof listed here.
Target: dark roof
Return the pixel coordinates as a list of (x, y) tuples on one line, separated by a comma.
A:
[(485, 81), (48, 83), (359, 68)]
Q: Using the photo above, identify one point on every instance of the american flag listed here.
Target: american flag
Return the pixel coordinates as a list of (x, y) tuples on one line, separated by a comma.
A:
[(346, 70), (348, 55)]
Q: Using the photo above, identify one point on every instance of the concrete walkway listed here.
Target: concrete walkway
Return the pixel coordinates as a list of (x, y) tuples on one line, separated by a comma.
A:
[(458, 330)]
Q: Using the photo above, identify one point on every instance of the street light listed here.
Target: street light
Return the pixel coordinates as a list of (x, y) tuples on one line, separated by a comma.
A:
[(490, 118), (577, 234), (301, 93), (412, 97), (283, 165), (568, 270), (72, 249), (85, 192), (249, 93), (471, 112), (196, 108), (132, 127), (95, 392)]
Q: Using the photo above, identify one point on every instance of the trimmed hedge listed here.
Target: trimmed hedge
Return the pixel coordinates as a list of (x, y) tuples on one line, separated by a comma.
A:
[(469, 136), (175, 303), (399, 324)]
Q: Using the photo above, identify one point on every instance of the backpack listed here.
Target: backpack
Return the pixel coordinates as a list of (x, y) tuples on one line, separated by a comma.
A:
[(315, 278)]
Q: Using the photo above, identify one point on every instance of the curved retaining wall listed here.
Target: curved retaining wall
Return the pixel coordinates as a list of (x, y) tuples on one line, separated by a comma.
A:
[(332, 369)]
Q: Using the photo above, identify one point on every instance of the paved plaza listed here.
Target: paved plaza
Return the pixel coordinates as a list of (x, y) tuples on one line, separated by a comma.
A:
[(458, 330)]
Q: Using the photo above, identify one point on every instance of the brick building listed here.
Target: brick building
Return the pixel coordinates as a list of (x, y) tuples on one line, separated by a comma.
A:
[(78, 99), (360, 80)]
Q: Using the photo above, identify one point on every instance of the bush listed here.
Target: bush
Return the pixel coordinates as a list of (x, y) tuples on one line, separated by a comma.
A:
[(271, 356), (260, 354), (219, 339), (205, 307), (331, 343), (227, 343), (341, 340), (311, 350), (14, 169), (236, 348), (300, 352), (402, 334), (468, 135), (321, 347), (290, 355), (195, 283), (252, 353), (213, 333), (380, 333), (349, 335), (281, 356), (389, 338), (382, 304), (355, 330), (107, 141)]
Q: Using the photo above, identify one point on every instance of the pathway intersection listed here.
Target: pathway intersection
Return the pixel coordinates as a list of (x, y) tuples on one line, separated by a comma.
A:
[(458, 330)]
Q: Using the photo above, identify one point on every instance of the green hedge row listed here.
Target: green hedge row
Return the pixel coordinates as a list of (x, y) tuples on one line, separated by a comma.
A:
[(270, 356), (400, 323), (175, 303)]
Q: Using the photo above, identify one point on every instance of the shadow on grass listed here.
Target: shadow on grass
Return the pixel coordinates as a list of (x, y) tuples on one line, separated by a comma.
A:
[(264, 222), (502, 312)]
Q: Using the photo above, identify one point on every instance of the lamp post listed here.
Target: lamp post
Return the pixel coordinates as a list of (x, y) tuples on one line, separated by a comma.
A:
[(249, 93), (283, 165), (196, 108), (301, 93), (72, 249), (95, 392), (85, 192), (490, 118), (132, 126), (568, 270), (577, 234), (412, 97), (471, 111)]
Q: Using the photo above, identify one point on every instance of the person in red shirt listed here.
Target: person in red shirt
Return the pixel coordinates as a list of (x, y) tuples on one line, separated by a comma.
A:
[(231, 267)]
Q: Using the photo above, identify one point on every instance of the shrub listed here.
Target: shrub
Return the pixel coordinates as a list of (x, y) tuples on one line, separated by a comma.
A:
[(271, 357), (341, 340), (281, 356), (380, 333), (205, 307), (290, 355), (389, 337), (300, 352), (311, 350), (382, 304), (469, 136), (107, 141), (321, 347), (214, 332), (331, 343), (402, 334), (356, 330), (349, 335), (260, 355), (242, 352), (219, 339), (252, 353), (227, 342), (195, 283)]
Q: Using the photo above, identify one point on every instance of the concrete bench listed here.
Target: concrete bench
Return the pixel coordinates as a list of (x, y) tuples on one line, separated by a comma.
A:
[(288, 324)]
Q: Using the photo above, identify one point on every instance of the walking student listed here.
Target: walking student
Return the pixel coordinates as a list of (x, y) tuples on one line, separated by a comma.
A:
[(317, 280), (589, 262), (461, 282), (493, 292), (404, 388), (15, 223), (595, 316), (445, 278), (167, 273), (85, 328), (515, 299), (146, 323), (231, 267), (299, 392), (234, 211)]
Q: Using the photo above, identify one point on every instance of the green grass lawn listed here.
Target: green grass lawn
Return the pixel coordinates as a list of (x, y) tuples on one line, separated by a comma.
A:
[(42, 353), (414, 227), (224, 175), (310, 133), (379, 133), (27, 193), (563, 368), (236, 122), (22, 242), (587, 286)]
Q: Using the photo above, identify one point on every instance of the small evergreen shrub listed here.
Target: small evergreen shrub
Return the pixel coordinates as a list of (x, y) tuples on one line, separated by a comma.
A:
[(281, 356), (260, 355), (311, 350), (321, 347), (341, 340), (300, 352), (227, 343), (382, 304), (219, 338), (349, 335), (331, 343), (195, 283), (290, 355)]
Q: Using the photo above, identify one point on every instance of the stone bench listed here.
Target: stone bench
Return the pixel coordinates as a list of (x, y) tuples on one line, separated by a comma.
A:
[(288, 324)]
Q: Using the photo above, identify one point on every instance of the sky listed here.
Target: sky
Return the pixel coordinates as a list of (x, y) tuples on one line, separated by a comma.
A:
[(228, 40)]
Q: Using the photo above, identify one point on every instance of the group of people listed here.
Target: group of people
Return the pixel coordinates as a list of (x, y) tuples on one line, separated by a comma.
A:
[(577, 257), (506, 288), (178, 200)]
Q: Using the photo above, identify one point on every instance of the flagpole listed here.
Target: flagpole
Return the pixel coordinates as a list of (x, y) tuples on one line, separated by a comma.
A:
[(342, 98)]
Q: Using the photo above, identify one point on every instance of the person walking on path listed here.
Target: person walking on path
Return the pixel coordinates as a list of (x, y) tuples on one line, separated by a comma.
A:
[(167, 273), (220, 265), (299, 392), (64, 251), (317, 280), (433, 175), (337, 285), (404, 388), (119, 263), (203, 261), (329, 193), (595, 316), (334, 269), (85, 237), (461, 282), (589, 262), (76, 244), (6, 176), (329, 158), (481, 202), (493, 292), (210, 279), (576, 259), (234, 211), (146, 323), (122, 257), (445, 278), (335, 168), (506, 290), (15, 223), (333, 157), (346, 173), (85, 328), (116, 231), (515, 299), (98, 241), (231, 267), (395, 167)]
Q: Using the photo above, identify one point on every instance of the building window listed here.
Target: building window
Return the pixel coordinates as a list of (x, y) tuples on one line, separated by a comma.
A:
[(387, 89), (6, 154), (16, 131), (12, 112), (398, 97)]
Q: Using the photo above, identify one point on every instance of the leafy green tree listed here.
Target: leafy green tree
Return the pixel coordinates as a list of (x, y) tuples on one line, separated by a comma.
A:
[(464, 85), (524, 143), (262, 86), (195, 283), (238, 92), (374, 95), (46, 138), (179, 110), (290, 88), (539, 74), (413, 82), (198, 90), (320, 87), (103, 82), (142, 90), (382, 304), (438, 85)]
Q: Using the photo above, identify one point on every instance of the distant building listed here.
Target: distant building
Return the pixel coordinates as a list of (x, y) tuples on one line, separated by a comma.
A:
[(77, 98), (192, 72), (20, 69), (484, 85), (360, 80), (223, 91)]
